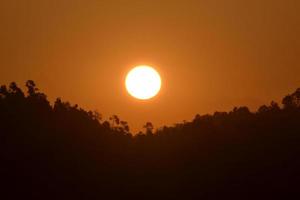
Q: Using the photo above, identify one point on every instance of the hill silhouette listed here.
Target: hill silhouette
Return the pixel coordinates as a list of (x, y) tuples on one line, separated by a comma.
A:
[(61, 151)]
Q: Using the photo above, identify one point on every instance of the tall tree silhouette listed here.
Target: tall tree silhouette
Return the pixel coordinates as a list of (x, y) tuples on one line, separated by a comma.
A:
[(149, 128)]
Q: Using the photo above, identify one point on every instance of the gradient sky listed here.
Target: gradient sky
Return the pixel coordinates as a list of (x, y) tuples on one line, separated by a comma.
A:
[(212, 55)]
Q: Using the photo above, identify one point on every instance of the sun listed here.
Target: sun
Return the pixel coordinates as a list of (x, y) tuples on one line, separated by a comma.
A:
[(143, 82)]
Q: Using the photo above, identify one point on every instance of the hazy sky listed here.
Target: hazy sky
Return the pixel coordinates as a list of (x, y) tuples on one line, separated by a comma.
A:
[(212, 55)]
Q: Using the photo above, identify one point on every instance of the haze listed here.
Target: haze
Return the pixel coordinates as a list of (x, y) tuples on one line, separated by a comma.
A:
[(212, 55)]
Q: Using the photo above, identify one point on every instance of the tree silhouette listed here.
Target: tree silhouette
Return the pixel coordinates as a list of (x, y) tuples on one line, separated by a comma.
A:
[(292, 100), (62, 151), (149, 128), (115, 120)]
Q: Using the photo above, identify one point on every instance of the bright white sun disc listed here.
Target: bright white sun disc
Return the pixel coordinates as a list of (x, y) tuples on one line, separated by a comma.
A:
[(143, 82)]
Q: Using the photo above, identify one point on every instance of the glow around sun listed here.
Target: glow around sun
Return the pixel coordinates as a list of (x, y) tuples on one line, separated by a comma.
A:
[(143, 82)]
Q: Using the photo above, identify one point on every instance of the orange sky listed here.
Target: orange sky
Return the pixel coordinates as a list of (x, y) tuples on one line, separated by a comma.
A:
[(212, 55)]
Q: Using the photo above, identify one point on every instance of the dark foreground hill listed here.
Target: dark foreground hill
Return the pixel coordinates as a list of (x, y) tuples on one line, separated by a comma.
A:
[(64, 152)]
